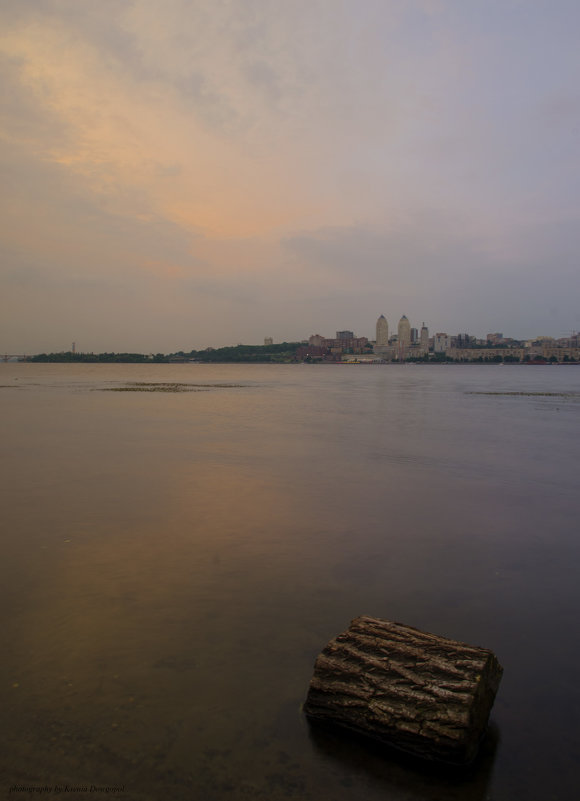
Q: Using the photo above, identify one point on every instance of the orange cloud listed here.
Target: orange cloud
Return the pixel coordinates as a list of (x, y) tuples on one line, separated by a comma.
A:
[(141, 150)]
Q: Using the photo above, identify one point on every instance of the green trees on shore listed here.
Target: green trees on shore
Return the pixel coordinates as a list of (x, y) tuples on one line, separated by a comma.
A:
[(69, 356), (283, 352)]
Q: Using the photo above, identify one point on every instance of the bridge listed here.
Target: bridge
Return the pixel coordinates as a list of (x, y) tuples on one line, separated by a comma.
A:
[(9, 356)]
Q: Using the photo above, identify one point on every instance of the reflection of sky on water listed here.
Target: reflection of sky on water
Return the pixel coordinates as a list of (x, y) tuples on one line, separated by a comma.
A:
[(174, 563)]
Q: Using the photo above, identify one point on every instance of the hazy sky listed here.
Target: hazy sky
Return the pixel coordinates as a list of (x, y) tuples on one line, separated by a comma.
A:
[(185, 173)]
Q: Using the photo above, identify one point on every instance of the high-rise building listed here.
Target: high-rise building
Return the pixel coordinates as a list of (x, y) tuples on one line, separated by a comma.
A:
[(382, 331), (404, 332), (424, 338)]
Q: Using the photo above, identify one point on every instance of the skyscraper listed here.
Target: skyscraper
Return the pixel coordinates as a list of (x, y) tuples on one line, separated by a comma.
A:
[(424, 341), (404, 331), (382, 331)]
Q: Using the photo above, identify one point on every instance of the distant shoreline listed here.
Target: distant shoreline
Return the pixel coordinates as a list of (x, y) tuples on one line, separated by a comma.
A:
[(168, 361)]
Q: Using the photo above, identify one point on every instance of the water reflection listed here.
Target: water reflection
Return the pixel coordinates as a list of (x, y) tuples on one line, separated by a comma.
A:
[(397, 775)]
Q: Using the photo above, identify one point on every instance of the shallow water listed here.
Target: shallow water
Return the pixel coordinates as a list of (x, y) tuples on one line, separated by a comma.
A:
[(173, 562)]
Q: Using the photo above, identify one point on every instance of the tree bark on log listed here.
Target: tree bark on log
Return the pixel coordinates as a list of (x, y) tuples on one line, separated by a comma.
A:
[(424, 694)]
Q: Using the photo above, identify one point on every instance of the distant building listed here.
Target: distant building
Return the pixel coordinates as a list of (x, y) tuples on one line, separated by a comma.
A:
[(560, 354), (441, 343), (345, 342), (463, 340), (486, 354), (403, 338), (406, 343), (382, 331), (404, 332), (268, 341), (317, 341), (309, 352)]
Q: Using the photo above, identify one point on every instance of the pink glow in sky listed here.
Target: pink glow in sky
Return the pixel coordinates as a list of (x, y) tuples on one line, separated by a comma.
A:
[(180, 173)]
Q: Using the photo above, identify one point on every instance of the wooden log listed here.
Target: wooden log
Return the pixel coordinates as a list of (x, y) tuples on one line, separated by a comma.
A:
[(424, 694)]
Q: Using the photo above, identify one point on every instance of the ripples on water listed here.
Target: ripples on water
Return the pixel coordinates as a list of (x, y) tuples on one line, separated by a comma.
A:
[(176, 555)]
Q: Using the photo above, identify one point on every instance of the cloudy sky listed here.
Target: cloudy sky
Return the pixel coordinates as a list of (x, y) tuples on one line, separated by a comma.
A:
[(185, 173)]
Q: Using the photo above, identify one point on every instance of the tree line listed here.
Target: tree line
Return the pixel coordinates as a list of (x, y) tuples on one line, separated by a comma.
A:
[(282, 352)]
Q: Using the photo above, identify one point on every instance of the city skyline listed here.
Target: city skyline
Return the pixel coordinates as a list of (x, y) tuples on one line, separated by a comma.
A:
[(384, 336), (182, 175), (381, 326)]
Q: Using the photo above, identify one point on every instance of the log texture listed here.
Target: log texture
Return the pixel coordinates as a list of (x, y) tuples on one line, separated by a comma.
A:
[(424, 694)]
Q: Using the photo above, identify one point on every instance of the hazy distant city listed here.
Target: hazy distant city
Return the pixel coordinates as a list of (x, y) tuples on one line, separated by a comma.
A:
[(407, 343), (403, 344)]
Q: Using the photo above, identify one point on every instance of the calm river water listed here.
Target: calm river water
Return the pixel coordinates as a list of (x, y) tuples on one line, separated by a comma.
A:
[(173, 562)]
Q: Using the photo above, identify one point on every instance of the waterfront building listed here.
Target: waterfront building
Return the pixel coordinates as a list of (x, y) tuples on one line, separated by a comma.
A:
[(406, 343), (310, 352), (487, 353), (404, 332), (382, 331), (424, 339), (441, 343), (403, 338), (383, 347), (345, 342), (557, 353), (317, 341), (462, 341)]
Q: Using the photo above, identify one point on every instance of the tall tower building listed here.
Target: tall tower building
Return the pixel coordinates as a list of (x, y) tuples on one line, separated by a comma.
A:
[(424, 340), (404, 331), (382, 331)]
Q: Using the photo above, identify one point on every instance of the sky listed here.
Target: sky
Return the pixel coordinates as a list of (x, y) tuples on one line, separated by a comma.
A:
[(178, 174)]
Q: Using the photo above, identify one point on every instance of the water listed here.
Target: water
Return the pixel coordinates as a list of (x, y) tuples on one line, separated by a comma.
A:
[(173, 562)]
